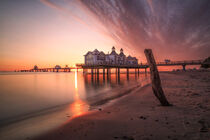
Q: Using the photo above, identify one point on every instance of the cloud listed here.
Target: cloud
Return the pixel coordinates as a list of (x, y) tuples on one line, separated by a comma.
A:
[(174, 29)]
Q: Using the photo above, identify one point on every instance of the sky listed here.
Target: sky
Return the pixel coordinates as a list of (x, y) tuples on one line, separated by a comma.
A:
[(51, 32)]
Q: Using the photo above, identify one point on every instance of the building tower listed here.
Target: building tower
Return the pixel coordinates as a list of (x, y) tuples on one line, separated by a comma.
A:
[(121, 50), (113, 49), (36, 67)]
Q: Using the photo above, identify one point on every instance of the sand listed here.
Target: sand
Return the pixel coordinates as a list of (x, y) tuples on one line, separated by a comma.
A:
[(139, 116)]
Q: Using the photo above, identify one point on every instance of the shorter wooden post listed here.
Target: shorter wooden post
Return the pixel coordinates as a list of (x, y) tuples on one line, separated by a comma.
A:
[(155, 78)]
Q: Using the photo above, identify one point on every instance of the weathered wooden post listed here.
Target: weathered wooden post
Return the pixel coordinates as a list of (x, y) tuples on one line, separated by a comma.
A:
[(91, 71), (103, 74), (127, 73), (118, 71), (155, 78), (184, 69), (103, 71), (118, 75)]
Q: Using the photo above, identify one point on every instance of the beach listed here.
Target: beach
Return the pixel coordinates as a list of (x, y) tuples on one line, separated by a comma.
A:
[(139, 115)]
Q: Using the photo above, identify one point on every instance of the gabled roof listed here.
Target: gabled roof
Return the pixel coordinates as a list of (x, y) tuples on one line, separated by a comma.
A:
[(113, 53), (95, 51), (89, 52), (102, 53), (135, 58), (122, 54), (129, 57)]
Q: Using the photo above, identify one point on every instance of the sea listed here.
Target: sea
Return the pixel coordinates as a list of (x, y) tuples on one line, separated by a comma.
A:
[(50, 99)]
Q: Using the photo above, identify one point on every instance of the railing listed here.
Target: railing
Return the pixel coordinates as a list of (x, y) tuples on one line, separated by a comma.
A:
[(141, 65), (188, 62)]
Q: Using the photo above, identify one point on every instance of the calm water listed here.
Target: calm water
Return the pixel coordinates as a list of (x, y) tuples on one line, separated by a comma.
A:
[(28, 93)]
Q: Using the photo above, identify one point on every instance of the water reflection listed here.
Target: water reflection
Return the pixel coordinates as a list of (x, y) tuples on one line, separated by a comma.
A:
[(96, 81), (75, 79), (25, 93), (78, 107)]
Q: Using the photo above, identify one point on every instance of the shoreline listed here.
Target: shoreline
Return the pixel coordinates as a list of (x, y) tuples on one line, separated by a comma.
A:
[(136, 115), (60, 114), (91, 101), (139, 115)]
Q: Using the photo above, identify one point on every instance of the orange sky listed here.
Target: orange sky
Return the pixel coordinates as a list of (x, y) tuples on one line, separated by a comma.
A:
[(43, 33), (34, 34)]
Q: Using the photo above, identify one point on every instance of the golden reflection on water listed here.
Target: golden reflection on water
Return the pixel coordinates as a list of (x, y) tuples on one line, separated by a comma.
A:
[(78, 107), (75, 79)]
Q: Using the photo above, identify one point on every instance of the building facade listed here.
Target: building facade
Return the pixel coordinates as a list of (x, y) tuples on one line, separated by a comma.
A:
[(99, 58)]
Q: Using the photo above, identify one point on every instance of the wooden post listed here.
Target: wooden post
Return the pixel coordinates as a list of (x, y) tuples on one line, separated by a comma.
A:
[(107, 71), (118, 76), (97, 71), (108, 75), (91, 71), (155, 78), (127, 73), (97, 75), (103, 74), (184, 67)]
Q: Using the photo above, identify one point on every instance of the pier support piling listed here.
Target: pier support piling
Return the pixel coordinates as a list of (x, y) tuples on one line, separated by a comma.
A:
[(184, 67), (103, 74), (91, 71), (127, 73), (118, 71)]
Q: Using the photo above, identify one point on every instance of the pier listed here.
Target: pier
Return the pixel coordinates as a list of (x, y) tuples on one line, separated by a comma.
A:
[(69, 69), (107, 67), (139, 66)]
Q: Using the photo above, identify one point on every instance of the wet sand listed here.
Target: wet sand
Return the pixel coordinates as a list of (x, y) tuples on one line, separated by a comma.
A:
[(139, 115)]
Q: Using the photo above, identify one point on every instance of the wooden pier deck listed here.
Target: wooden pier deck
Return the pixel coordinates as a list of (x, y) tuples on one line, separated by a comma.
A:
[(107, 67)]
